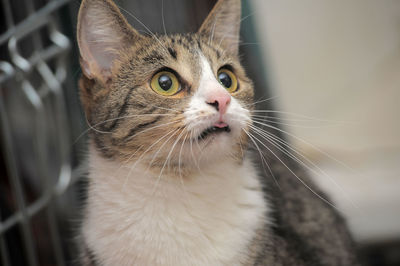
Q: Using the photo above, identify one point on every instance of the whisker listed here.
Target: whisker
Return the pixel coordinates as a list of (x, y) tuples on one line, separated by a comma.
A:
[(261, 101), (289, 125), (249, 43), (125, 162), (159, 107), (213, 30), (283, 146), (302, 116), (191, 150), (166, 161), (142, 155), (93, 127), (176, 142), (241, 147), (308, 143), (188, 199), (151, 128), (293, 173), (162, 146), (283, 118), (141, 23), (239, 22), (179, 159), (162, 17), (202, 150), (264, 161)]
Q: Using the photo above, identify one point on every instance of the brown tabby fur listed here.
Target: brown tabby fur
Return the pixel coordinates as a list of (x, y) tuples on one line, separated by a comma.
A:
[(306, 231), (126, 89)]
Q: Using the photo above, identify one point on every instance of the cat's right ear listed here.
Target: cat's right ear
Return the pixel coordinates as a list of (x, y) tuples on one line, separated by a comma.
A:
[(102, 33), (223, 24)]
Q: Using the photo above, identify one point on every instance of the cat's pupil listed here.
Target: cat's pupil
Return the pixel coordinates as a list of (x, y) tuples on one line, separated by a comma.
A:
[(225, 79), (165, 82)]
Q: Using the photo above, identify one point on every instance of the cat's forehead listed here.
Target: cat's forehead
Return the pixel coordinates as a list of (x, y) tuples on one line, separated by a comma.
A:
[(180, 52), (193, 43)]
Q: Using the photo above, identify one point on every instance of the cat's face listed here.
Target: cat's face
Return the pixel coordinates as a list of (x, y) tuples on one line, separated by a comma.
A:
[(179, 100)]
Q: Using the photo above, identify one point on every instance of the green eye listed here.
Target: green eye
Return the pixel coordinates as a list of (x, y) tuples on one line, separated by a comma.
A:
[(165, 83), (228, 80)]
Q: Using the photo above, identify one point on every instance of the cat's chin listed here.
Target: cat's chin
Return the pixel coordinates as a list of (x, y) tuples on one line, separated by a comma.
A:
[(216, 143)]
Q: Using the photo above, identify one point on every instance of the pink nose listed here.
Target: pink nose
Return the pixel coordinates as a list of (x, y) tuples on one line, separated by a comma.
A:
[(220, 101)]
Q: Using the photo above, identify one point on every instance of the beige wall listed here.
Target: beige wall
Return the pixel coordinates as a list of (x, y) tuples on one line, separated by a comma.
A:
[(336, 60), (340, 61)]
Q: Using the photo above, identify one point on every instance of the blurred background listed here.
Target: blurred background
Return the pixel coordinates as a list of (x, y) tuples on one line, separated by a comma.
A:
[(329, 69), (339, 63)]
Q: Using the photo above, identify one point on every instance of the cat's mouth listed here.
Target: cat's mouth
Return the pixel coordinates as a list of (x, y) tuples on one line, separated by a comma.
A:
[(214, 130)]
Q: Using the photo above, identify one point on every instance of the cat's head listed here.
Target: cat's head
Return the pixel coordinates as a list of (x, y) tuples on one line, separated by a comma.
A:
[(176, 99)]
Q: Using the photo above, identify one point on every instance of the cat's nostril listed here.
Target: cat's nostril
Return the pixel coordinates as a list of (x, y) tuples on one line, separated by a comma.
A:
[(220, 102), (214, 104)]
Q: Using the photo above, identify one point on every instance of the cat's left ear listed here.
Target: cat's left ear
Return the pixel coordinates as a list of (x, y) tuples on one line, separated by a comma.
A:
[(222, 25)]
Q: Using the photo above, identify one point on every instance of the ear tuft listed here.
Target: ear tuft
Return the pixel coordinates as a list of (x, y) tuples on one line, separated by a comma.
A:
[(102, 33), (222, 25)]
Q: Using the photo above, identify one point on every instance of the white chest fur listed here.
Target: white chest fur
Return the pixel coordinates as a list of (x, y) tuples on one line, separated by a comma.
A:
[(206, 219)]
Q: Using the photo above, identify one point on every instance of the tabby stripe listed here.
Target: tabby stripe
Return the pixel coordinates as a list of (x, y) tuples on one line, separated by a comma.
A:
[(101, 147), (218, 54), (153, 57), (172, 52), (146, 111), (137, 105), (141, 107), (133, 131), (122, 110)]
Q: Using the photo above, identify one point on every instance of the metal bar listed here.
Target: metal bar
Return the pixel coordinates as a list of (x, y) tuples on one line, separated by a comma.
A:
[(46, 54), (51, 82), (65, 175), (39, 204), (39, 147), (23, 68), (33, 21), (55, 235), (54, 82), (5, 261), (16, 184), (8, 71), (37, 41), (63, 42), (8, 13), (33, 209)]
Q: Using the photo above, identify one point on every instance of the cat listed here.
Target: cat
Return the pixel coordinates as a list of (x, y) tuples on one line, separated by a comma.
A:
[(172, 176)]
